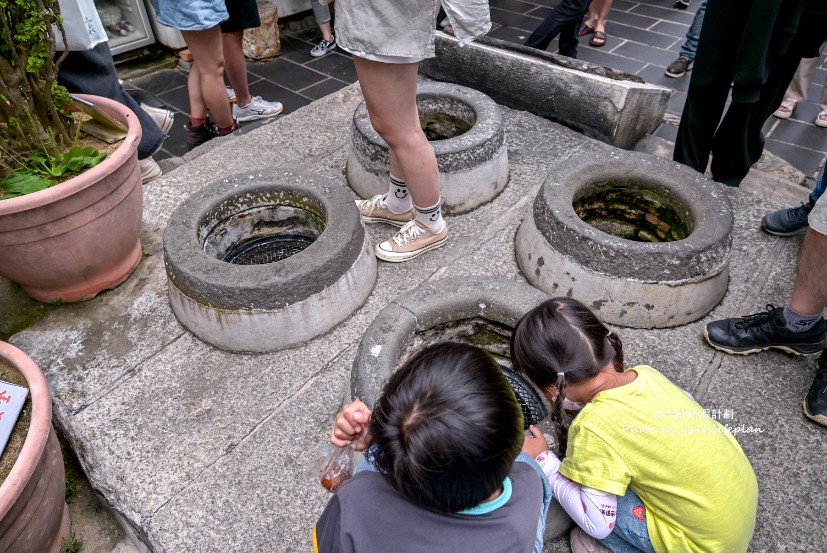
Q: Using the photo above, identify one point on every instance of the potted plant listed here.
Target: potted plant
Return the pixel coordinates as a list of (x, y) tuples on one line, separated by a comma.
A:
[(70, 241), (34, 517)]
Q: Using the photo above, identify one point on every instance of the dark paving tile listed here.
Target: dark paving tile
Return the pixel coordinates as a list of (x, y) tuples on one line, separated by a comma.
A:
[(319, 90), (295, 49), (286, 73), (600, 57), (632, 20), (509, 34), (248, 126), (518, 21), (291, 100), (177, 98), (806, 161), (802, 134), (654, 74), (335, 65), (667, 131), (515, 6), (676, 102), (806, 112), (545, 3), (162, 81), (636, 51), (623, 6), (540, 12), (663, 12), (677, 30), (640, 36), (176, 144)]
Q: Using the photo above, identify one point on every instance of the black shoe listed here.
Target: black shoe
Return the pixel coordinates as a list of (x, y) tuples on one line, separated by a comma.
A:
[(200, 134), (762, 331), (681, 4), (787, 222), (815, 402)]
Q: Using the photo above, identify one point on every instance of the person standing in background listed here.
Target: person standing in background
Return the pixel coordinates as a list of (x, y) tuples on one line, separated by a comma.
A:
[(322, 14)]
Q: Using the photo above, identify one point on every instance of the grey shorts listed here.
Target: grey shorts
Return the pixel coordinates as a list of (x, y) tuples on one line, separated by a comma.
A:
[(398, 28), (818, 216)]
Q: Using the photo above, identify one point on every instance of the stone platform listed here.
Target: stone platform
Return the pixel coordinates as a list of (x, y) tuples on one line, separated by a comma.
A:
[(200, 450)]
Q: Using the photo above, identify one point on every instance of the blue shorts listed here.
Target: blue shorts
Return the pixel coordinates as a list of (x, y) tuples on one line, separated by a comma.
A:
[(195, 15)]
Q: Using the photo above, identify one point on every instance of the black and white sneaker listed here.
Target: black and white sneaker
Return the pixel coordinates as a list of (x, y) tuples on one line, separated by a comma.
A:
[(257, 109), (323, 47), (681, 4), (762, 331), (815, 402)]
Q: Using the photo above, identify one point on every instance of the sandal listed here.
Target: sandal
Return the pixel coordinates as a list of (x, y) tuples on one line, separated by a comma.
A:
[(786, 109), (585, 30), (821, 120), (598, 40)]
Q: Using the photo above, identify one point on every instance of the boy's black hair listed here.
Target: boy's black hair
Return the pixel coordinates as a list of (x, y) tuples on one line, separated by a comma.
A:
[(561, 335), (448, 427)]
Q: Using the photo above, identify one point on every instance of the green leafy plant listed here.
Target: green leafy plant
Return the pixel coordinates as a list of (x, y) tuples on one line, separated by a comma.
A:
[(35, 124), (72, 544), (40, 171)]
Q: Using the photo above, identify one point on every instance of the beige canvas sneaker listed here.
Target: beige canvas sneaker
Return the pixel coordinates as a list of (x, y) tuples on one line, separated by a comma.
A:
[(412, 240), (375, 210)]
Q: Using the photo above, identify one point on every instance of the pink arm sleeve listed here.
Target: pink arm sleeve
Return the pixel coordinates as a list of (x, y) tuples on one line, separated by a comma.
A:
[(593, 510)]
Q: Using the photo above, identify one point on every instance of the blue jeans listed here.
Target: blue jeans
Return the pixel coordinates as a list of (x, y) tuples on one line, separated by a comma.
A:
[(819, 189), (690, 45), (630, 534)]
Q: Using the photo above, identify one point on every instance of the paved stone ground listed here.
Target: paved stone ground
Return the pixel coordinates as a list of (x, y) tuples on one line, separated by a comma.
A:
[(644, 36), (203, 450)]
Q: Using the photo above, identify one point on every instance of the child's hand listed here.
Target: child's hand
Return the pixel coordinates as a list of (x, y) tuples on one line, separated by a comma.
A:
[(352, 426), (536, 443)]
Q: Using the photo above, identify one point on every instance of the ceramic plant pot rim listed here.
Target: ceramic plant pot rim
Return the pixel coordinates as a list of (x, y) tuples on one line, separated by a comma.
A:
[(39, 427), (89, 177)]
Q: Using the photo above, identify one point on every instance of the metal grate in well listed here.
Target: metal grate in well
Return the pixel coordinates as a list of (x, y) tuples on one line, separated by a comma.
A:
[(267, 249), (534, 409)]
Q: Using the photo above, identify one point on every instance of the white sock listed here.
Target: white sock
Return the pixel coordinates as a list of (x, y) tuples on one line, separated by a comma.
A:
[(431, 217), (398, 199)]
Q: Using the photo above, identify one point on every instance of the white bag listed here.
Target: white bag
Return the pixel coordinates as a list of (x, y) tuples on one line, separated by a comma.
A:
[(82, 26)]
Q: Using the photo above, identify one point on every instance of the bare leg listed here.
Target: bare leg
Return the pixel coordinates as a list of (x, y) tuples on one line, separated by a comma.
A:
[(390, 94), (327, 34), (236, 66), (602, 8), (207, 86), (809, 295)]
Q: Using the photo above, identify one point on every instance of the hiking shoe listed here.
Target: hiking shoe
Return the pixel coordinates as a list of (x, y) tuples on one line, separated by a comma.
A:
[(815, 402), (679, 67), (786, 109), (765, 330), (412, 240), (375, 210), (787, 222), (323, 47), (581, 542), (200, 134), (257, 109), (149, 170), (164, 118)]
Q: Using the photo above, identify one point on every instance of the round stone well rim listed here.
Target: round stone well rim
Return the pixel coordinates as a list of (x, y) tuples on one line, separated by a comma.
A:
[(472, 147), (223, 285), (704, 251)]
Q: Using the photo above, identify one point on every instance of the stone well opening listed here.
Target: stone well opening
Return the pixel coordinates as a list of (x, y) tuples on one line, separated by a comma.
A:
[(634, 210), (257, 263), (263, 234), (467, 132), (494, 338), (443, 117), (643, 241)]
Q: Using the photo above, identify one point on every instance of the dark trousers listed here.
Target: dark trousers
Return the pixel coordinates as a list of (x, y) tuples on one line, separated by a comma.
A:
[(93, 72), (565, 20), (736, 141)]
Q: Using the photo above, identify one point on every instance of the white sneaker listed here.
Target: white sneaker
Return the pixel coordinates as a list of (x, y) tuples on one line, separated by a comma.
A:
[(323, 47), (411, 241), (257, 109), (163, 117), (149, 170)]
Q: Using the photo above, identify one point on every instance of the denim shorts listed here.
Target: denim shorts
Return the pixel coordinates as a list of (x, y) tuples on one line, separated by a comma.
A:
[(195, 15)]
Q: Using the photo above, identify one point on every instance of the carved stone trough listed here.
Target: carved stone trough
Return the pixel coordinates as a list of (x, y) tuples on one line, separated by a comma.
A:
[(644, 241), (261, 262), (466, 130)]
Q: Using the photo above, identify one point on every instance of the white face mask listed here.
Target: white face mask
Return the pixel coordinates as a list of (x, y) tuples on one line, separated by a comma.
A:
[(572, 405)]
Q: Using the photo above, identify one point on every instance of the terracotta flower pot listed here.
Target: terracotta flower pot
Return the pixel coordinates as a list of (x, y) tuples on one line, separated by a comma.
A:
[(34, 517), (80, 237)]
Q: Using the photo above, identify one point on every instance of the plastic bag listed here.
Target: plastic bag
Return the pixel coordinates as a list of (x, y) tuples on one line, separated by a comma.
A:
[(336, 465)]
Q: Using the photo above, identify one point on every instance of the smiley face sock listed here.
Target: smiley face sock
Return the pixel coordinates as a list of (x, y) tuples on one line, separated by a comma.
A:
[(398, 199)]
